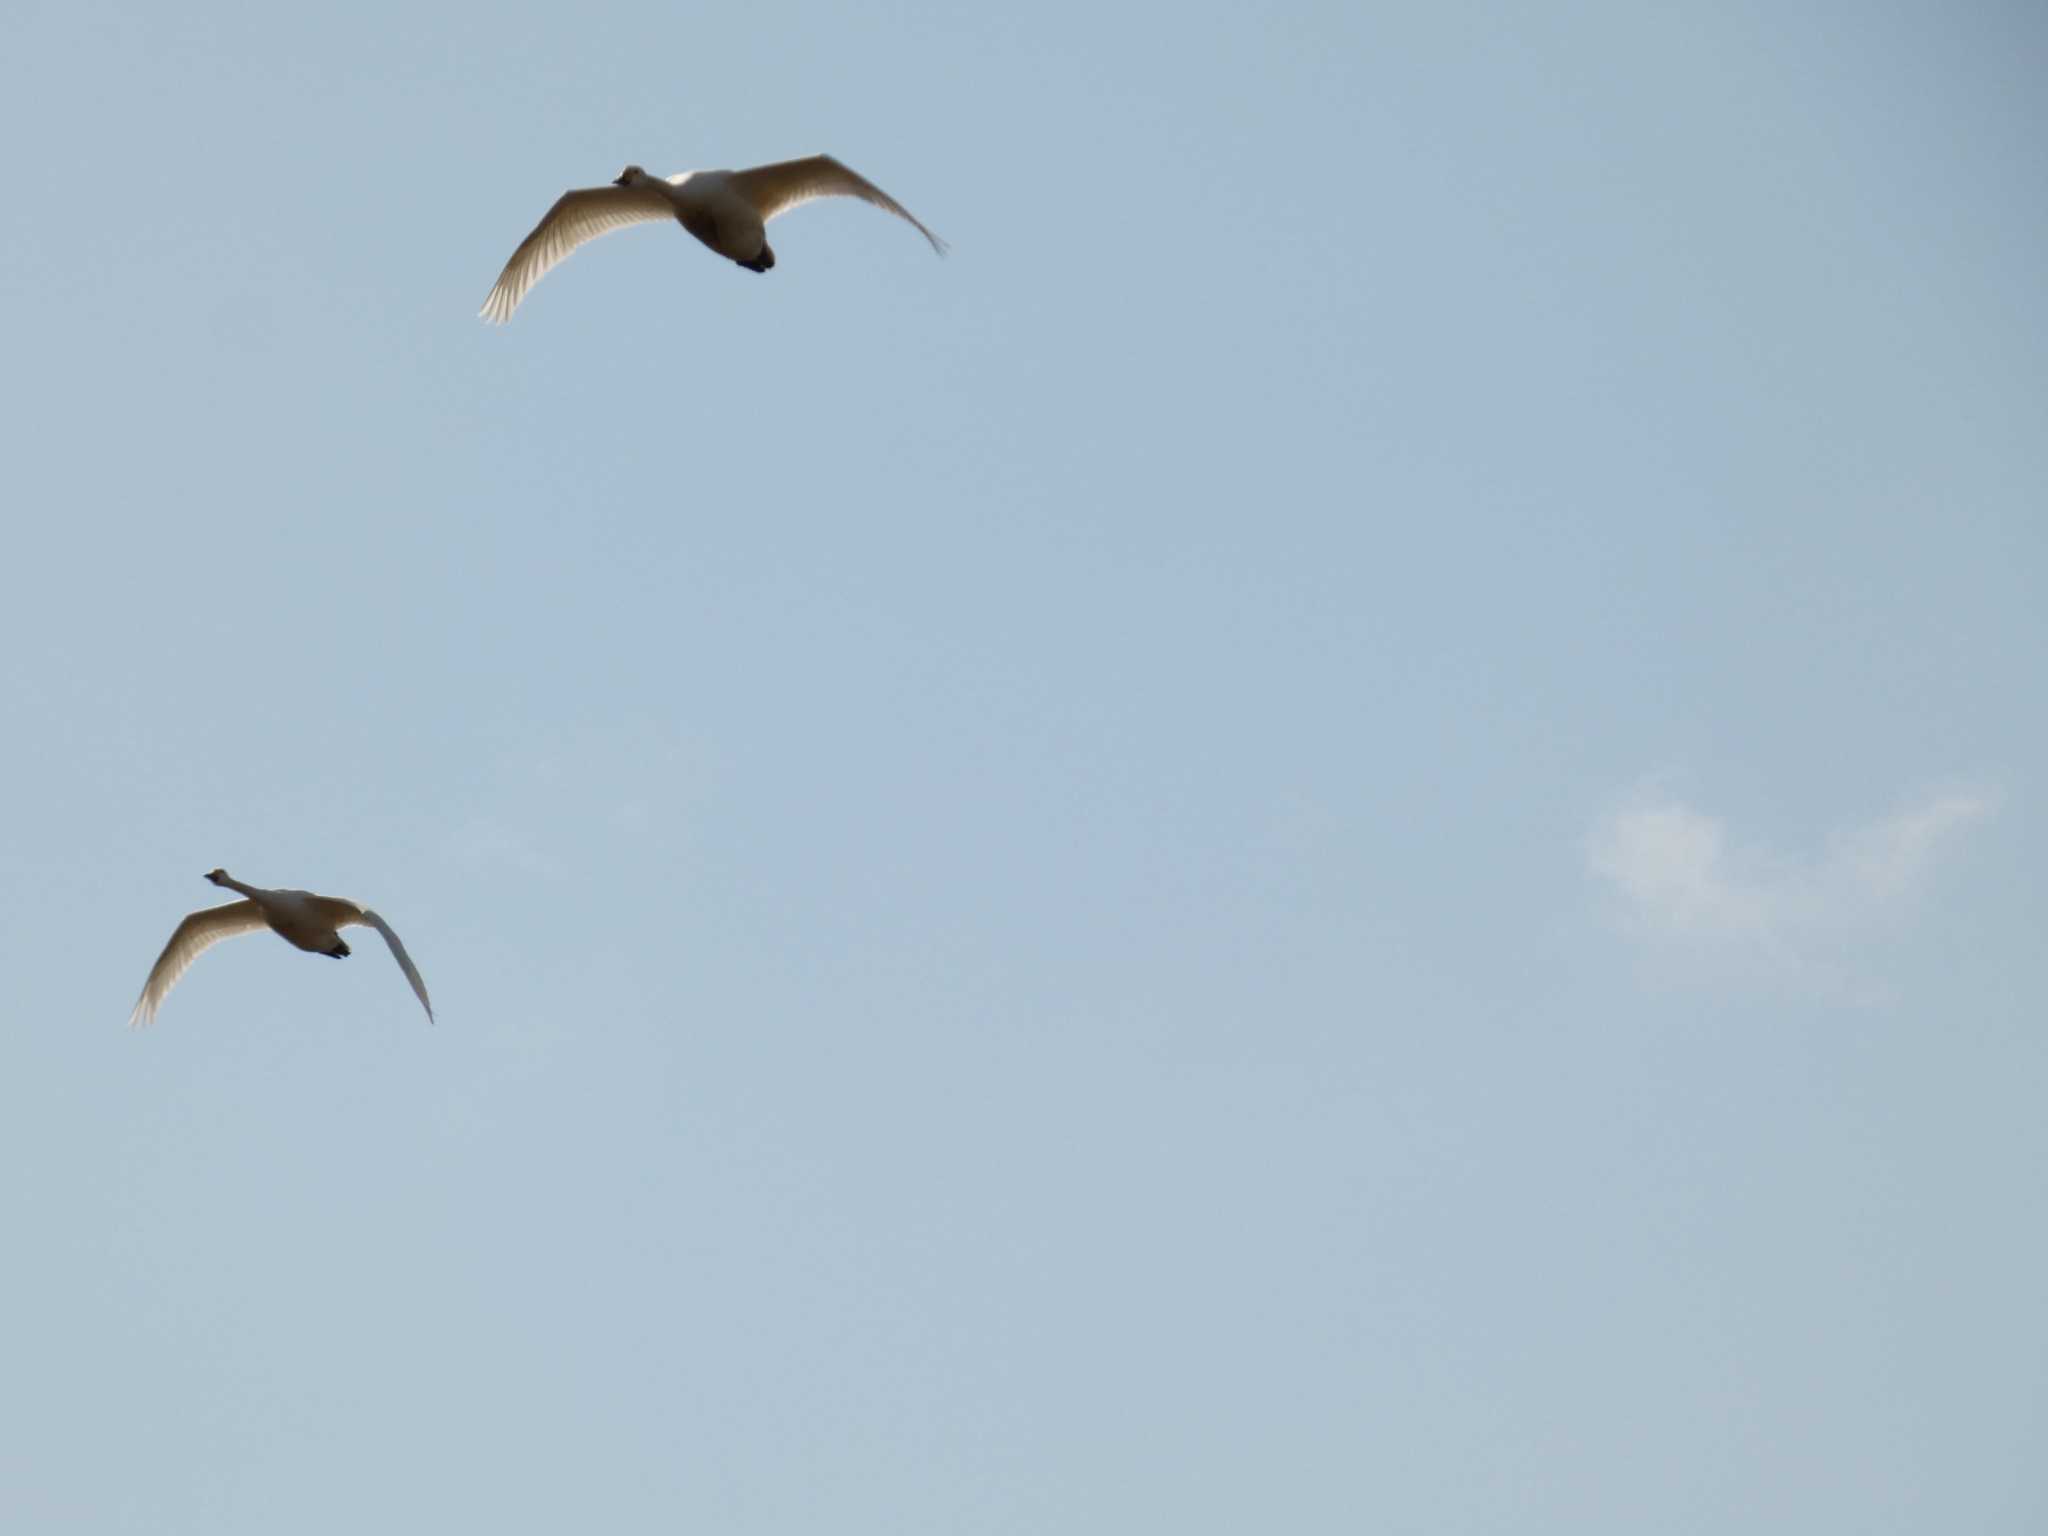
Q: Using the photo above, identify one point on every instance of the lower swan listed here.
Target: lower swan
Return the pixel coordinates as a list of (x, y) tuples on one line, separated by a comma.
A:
[(300, 918)]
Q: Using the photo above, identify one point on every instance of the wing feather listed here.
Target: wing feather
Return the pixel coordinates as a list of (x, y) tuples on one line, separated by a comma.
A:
[(576, 219), (370, 919), (775, 189), (191, 939)]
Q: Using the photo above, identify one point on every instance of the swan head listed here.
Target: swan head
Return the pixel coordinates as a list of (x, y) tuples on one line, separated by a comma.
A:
[(218, 876), (632, 175)]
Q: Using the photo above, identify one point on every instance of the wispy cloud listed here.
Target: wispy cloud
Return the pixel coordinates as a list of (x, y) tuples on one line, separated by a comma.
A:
[(620, 790), (1683, 882)]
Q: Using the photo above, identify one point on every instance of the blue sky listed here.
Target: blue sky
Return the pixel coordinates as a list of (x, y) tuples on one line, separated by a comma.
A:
[(1340, 833)]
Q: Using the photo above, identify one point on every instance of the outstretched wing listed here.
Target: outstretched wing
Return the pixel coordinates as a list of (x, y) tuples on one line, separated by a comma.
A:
[(774, 189), (576, 219), (191, 939), (366, 916)]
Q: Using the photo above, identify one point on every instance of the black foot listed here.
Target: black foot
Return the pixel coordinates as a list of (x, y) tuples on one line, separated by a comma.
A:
[(340, 950), (762, 262)]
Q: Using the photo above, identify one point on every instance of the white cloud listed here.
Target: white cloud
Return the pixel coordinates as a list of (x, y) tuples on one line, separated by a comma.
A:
[(1682, 882)]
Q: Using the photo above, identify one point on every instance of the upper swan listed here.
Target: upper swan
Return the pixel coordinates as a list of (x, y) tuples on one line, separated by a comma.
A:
[(727, 210)]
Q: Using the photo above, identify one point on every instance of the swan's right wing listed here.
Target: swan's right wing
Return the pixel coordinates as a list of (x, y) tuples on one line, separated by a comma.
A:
[(775, 189), (404, 960), (576, 219), (193, 938)]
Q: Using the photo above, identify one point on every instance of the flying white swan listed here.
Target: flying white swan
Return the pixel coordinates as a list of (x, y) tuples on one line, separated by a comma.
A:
[(298, 917), (727, 210)]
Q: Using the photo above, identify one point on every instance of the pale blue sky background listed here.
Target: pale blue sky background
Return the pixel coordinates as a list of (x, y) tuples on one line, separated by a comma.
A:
[(1341, 834)]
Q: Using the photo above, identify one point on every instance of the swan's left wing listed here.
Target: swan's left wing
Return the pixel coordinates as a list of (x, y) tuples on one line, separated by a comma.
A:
[(774, 189), (576, 219), (370, 919), (191, 939)]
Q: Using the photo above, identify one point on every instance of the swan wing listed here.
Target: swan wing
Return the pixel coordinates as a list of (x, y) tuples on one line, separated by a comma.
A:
[(775, 189), (576, 219), (191, 939), (370, 919)]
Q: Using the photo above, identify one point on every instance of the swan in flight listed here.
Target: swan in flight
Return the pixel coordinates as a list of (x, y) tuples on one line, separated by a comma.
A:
[(727, 210), (298, 917)]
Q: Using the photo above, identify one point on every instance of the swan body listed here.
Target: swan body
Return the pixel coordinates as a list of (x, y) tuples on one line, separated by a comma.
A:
[(300, 918), (726, 210)]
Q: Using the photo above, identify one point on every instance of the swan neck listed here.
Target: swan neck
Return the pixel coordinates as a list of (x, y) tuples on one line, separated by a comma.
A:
[(235, 885)]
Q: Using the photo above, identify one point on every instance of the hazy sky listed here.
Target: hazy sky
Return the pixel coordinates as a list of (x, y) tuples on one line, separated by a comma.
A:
[(1340, 834)]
